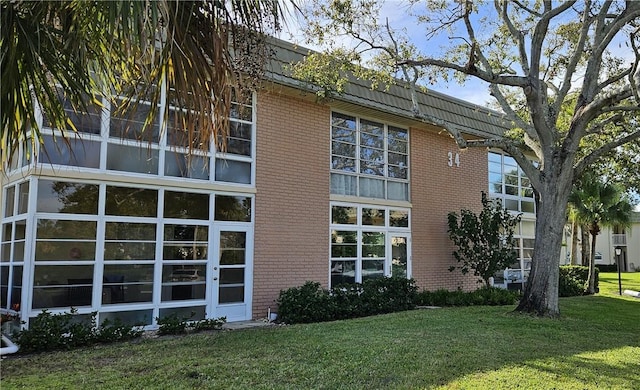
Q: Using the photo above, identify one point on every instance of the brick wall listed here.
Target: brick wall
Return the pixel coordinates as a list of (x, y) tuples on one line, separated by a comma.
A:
[(437, 189), (292, 199)]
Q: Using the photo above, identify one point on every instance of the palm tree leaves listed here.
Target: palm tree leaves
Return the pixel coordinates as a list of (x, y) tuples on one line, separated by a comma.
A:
[(200, 50)]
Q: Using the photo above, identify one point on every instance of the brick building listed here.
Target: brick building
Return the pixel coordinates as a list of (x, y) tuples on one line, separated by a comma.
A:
[(334, 191)]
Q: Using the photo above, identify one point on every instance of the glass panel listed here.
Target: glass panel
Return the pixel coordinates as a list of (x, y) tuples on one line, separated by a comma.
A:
[(64, 197), (16, 290), (62, 286), (182, 282), (373, 217), (233, 208), (239, 139), (232, 248), (528, 228), (185, 242), (232, 276), (372, 168), (130, 318), (183, 165), (7, 232), (129, 122), (23, 197), (372, 269), (186, 205), (344, 243), (344, 215), (129, 283), (178, 136), (195, 313), (59, 229), (373, 128), (343, 135), (343, 149), (398, 218), (65, 250), (495, 167), (132, 159), (233, 171), (395, 145), (343, 164), (528, 207), (372, 188), (399, 256), (398, 159), (343, 184), (5, 252), (231, 294), (344, 121), (511, 204), (18, 251), (135, 202), (241, 111), (398, 172), (510, 190), (130, 231), (4, 286), (343, 272), (88, 121), (10, 196), (78, 153), (373, 244)]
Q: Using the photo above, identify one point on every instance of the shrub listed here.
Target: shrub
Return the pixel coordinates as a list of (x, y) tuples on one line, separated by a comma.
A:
[(490, 296), (387, 295), (209, 324), (49, 332), (116, 330), (573, 280), (311, 303), (304, 304), (172, 324)]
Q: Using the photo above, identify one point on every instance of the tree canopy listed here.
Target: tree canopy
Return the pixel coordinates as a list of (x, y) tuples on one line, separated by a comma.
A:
[(564, 73), (200, 51)]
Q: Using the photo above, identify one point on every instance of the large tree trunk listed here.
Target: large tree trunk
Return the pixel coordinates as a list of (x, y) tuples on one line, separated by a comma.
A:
[(541, 291), (574, 243)]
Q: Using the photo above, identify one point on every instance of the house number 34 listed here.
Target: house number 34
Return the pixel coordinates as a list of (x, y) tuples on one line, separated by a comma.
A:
[(453, 159)]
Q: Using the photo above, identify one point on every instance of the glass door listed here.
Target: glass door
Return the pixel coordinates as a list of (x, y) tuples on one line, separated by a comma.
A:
[(400, 250), (233, 272)]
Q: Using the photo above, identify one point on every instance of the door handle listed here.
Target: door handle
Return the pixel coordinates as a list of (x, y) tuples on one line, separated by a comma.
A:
[(215, 278)]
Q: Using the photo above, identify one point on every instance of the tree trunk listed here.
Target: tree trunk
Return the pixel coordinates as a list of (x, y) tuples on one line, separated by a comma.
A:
[(541, 291), (586, 249), (574, 243), (591, 280)]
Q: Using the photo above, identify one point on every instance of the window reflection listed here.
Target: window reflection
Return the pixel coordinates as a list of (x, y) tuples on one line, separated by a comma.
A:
[(65, 197)]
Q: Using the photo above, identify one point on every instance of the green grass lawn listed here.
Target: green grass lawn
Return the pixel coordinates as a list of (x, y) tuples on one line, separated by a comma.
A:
[(595, 345)]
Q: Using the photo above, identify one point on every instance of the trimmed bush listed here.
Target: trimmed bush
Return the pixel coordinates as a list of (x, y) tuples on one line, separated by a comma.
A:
[(573, 280), (63, 331), (311, 303), (485, 296), (304, 304)]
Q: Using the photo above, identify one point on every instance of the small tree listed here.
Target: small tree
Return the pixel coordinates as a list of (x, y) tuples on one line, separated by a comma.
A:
[(484, 242)]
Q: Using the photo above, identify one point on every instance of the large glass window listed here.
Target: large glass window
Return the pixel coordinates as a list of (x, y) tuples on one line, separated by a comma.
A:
[(369, 159), (117, 137), (368, 242), (508, 183)]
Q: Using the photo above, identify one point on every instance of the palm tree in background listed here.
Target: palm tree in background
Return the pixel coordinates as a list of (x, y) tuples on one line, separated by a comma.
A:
[(596, 204), (77, 51)]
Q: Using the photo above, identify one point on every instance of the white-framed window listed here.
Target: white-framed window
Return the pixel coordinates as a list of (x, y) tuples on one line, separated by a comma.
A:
[(129, 251), (112, 138), (369, 159), (367, 242), (509, 184), (518, 272)]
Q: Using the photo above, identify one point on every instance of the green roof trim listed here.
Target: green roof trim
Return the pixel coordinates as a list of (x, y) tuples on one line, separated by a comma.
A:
[(466, 117)]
